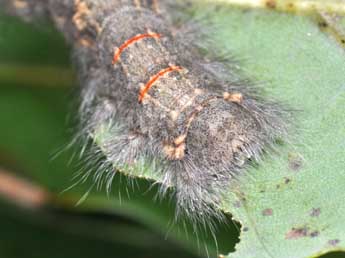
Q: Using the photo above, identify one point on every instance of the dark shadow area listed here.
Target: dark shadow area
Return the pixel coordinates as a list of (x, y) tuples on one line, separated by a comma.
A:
[(334, 255), (44, 234)]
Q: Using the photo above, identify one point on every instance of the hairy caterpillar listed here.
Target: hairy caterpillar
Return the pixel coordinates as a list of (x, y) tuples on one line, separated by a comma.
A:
[(162, 99)]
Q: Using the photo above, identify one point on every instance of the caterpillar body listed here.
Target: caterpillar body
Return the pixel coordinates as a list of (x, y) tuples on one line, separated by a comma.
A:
[(164, 100)]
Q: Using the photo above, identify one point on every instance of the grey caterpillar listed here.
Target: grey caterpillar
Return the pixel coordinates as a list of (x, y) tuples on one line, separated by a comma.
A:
[(163, 101)]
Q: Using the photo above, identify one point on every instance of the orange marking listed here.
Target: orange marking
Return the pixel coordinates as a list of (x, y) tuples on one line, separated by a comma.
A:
[(145, 89), (233, 97), (125, 45)]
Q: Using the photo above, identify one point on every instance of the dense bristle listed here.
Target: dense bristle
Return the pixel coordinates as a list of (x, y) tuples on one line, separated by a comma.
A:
[(221, 126), (160, 95)]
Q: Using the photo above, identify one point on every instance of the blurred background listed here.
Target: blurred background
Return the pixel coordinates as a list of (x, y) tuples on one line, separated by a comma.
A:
[(38, 219)]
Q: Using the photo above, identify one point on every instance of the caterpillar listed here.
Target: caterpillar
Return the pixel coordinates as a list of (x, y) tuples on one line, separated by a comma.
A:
[(162, 99)]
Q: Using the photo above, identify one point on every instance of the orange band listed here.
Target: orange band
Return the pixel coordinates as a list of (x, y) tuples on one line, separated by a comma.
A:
[(154, 79), (119, 50)]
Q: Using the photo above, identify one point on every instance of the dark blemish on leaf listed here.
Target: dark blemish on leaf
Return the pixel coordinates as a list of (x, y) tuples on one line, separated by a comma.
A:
[(242, 197), (314, 233), (333, 242), (295, 162), (303, 231), (323, 24), (296, 233), (267, 212), (315, 212), (278, 186), (342, 41), (287, 180), (245, 229), (271, 4), (262, 191)]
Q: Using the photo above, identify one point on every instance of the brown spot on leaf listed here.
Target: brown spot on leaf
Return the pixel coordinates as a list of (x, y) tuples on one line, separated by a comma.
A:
[(267, 212), (295, 162), (314, 233), (315, 212), (296, 233), (287, 180), (333, 242), (245, 229), (303, 231)]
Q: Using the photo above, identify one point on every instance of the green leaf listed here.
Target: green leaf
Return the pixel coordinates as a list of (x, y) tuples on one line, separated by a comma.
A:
[(293, 203)]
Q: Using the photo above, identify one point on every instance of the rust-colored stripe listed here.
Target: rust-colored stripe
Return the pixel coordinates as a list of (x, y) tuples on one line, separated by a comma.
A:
[(147, 87), (136, 38)]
